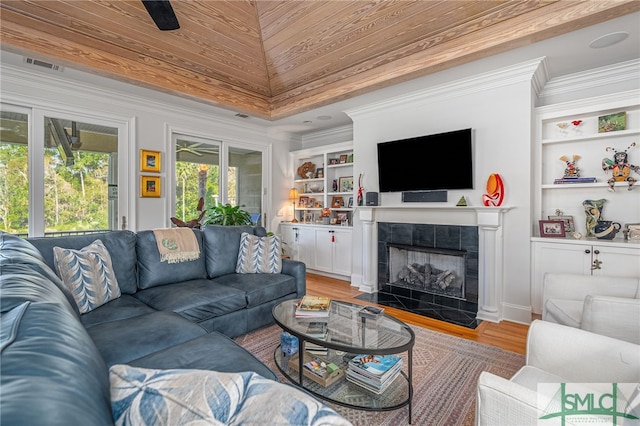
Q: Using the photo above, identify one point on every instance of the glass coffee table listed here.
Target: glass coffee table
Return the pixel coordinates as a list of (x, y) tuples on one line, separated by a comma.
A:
[(349, 333)]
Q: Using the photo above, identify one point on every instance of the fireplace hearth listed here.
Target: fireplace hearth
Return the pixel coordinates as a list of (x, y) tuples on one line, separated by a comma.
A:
[(430, 270)]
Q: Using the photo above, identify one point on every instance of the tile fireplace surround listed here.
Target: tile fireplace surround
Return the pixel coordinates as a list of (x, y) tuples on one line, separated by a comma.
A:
[(475, 230)]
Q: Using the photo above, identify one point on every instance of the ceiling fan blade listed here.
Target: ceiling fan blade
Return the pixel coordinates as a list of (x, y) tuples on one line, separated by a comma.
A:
[(162, 14)]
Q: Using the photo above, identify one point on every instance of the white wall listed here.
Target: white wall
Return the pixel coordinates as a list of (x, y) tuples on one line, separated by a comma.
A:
[(150, 116)]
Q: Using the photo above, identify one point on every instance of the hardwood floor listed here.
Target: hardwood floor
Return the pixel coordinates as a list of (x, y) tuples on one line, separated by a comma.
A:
[(506, 335)]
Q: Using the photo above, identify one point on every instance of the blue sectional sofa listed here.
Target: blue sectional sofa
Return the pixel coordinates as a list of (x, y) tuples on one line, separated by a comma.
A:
[(55, 361)]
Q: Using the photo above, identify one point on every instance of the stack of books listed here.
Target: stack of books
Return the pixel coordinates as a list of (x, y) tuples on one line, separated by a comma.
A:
[(317, 330), (589, 179), (313, 307), (374, 372)]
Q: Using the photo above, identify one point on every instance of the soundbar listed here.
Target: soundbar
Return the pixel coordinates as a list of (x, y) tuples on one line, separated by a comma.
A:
[(424, 196)]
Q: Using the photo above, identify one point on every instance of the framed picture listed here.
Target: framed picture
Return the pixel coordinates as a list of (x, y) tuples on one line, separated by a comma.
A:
[(345, 184), (569, 227), (342, 217), (552, 228), (337, 202), (150, 161), (333, 161), (308, 217), (318, 205), (343, 158), (311, 202), (150, 186), (303, 201), (320, 172), (612, 122), (350, 203)]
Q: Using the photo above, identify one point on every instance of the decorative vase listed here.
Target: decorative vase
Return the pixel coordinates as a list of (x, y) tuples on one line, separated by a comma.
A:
[(606, 229), (593, 210)]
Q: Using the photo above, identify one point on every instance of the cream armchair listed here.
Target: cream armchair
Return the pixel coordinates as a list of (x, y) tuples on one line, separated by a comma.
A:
[(555, 354), (603, 305)]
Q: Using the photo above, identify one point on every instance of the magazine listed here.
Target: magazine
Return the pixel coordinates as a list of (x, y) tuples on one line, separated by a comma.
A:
[(313, 307), (374, 365)]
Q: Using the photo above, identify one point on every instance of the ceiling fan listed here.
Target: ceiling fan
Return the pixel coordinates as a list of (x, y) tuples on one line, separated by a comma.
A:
[(196, 148), (162, 14)]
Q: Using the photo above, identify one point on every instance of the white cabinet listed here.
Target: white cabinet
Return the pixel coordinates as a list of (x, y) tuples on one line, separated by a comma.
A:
[(333, 250), (593, 257), (324, 249), (324, 179), (575, 129)]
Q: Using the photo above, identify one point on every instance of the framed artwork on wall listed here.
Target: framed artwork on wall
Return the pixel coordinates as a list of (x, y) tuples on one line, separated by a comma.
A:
[(150, 186), (150, 161)]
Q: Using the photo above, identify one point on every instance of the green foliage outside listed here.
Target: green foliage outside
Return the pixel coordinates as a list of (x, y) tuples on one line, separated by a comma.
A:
[(190, 183), (76, 197)]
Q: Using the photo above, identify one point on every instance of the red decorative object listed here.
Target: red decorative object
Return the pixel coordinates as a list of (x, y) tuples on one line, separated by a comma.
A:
[(576, 122), (495, 191)]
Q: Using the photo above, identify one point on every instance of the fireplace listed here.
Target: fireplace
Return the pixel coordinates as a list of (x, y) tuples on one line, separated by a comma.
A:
[(430, 270)]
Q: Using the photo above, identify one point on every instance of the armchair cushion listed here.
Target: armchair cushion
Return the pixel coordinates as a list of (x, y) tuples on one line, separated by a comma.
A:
[(615, 317), (564, 311)]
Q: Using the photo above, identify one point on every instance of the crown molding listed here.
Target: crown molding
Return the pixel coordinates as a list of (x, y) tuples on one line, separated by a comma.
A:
[(517, 73)]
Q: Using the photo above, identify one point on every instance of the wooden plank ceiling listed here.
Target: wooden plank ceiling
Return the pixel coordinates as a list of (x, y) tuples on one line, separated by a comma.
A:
[(273, 59)]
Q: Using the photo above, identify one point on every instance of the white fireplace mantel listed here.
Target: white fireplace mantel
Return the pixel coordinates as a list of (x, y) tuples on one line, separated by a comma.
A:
[(490, 245)]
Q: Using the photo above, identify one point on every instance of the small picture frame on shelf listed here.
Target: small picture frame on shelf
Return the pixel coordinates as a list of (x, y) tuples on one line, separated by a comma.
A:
[(320, 172), (344, 158), (569, 227), (303, 201), (150, 186), (342, 218), (333, 161), (345, 184), (350, 203), (612, 122), (317, 204), (308, 217), (337, 202), (311, 202), (150, 161), (552, 228)]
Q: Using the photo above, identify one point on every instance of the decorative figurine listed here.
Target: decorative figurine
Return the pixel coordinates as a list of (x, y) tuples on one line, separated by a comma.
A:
[(495, 191), (360, 197), (620, 168), (571, 170), (307, 170), (462, 202), (593, 210)]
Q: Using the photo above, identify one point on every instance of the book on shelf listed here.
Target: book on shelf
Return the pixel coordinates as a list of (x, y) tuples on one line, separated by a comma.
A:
[(313, 307), (314, 349), (586, 179)]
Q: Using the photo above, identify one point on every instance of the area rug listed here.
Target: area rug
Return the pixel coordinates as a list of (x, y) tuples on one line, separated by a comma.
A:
[(445, 373)]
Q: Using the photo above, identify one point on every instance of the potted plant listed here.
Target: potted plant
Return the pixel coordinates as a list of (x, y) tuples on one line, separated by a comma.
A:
[(227, 215)]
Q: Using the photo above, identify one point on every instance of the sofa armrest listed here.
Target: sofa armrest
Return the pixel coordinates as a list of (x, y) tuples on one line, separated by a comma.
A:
[(615, 317), (298, 270), (581, 356), (502, 402)]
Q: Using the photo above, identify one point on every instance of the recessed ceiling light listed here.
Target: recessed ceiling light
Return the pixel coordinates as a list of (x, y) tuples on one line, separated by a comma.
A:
[(608, 40), (324, 117)]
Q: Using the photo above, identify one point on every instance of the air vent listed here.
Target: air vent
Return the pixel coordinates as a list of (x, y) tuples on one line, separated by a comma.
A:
[(240, 115), (43, 64)]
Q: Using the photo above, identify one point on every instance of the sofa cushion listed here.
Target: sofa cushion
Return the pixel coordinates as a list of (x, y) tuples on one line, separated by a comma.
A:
[(120, 244), (259, 288), (195, 300), (151, 397), (126, 306), (563, 311), (530, 377), (19, 257), (221, 248), (259, 254), (213, 351), (52, 373), (124, 340), (88, 274), (152, 272)]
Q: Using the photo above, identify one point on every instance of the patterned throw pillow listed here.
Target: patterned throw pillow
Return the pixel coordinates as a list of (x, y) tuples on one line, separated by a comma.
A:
[(88, 274), (259, 255), (142, 396)]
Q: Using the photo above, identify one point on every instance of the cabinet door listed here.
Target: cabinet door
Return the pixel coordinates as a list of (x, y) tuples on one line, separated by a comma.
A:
[(556, 258), (324, 250), (305, 245), (617, 261), (342, 252)]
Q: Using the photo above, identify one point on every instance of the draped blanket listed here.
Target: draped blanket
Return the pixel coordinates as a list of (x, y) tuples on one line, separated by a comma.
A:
[(177, 245)]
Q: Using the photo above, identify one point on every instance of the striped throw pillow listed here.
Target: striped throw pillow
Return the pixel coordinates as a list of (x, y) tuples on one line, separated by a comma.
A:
[(259, 255)]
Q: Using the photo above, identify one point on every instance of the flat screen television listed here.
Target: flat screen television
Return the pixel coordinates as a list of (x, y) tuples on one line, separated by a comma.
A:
[(427, 163)]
